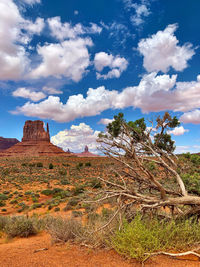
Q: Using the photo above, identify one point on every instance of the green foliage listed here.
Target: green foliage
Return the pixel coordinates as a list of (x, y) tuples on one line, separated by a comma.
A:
[(3, 197), (51, 166), (195, 159), (39, 164), (192, 182), (144, 236), (114, 128), (164, 142)]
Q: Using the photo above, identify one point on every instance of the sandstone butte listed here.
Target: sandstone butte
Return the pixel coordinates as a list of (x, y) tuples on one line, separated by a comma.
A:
[(35, 142), (86, 153)]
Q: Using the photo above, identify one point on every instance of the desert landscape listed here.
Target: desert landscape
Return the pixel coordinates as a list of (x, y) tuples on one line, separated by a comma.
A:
[(56, 209), (99, 133)]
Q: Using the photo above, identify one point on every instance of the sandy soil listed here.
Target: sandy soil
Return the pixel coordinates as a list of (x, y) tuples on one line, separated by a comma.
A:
[(20, 252)]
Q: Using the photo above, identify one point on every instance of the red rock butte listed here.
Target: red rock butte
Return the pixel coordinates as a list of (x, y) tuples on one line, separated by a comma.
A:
[(35, 142), (86, 153)]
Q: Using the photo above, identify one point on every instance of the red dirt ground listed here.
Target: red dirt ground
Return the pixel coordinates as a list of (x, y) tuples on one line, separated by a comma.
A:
[(20, 253)]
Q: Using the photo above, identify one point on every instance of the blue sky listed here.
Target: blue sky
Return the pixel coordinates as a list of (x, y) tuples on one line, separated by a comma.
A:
[(75, 64)]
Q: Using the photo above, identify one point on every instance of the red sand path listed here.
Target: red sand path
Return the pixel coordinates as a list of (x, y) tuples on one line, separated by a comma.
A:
[(20, 253)]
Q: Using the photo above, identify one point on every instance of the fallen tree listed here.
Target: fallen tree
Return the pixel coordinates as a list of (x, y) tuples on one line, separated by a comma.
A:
[(146, 173)]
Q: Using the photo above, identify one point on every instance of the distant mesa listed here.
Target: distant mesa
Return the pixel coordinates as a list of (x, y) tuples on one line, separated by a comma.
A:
[(6, 143), (86, 153), (35, 142)]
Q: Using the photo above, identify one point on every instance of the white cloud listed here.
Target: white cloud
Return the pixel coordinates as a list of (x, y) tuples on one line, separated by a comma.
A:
[(51, 90), (154, 93), (67, 31), (76, 106), (34, 28), (178, 131), (27, 93), (69, 59), (141, 11), (31, 2), (161, 51), (15, 33), (76, 138), (191, 117), (105, 121), (97, 100), (117, 65)]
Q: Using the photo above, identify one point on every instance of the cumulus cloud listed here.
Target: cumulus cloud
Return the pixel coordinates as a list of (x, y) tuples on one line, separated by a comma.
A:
[(27, 93), (77, 106), (67, 31), (117, 65), (191, 117), (161, 51), (51, 90), (76, 138), (14, 34), (105, 121), (34, 27), (97, 100), (154, 93), (178, 131), (69, 59)]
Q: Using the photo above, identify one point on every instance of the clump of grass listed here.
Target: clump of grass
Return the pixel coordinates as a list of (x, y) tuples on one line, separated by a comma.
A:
[(144, 236), (20, 226), (63, 230)]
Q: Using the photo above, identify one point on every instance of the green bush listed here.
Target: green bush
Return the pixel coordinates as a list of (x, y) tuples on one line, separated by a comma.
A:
[(39, 164), (144, 236), (195, 159), (192, 182), (51, 166)]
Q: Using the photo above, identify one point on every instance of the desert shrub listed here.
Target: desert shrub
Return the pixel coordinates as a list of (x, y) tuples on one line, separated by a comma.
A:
[(95, 183), (187, 155), (78, 189), (195, 159), (192, 182), (63, 230), (144, 236), (57, 209), (20, 226), (47, 192), (51, 166), (39, 164), (64, 182), (3, 197), (73, 202), (62, 172), (36, 205), (2, 203), (88, 164), (76, 213), (3, 222)]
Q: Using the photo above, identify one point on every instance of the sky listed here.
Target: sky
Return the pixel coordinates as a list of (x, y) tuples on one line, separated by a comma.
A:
[(76, 64)]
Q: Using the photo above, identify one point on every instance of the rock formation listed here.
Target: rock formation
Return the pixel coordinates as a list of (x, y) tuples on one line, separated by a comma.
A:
[(34, 131), (86, 153), (35, 142), (6, 143)]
